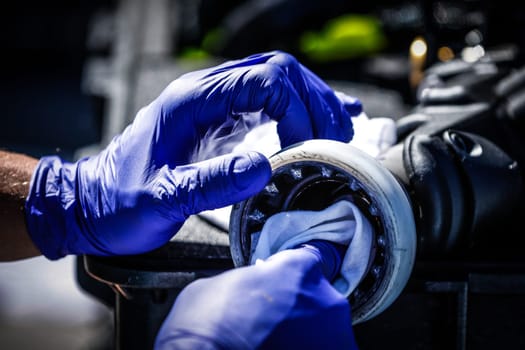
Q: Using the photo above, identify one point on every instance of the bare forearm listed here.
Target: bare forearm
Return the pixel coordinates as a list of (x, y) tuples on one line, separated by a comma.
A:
[(15, 175)]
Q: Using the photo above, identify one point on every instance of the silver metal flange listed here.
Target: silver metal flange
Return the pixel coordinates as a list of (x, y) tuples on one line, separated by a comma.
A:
[(314, 174)]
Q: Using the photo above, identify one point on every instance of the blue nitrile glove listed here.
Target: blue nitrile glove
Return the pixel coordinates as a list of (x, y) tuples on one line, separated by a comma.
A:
[(136, 194), (283, 302)]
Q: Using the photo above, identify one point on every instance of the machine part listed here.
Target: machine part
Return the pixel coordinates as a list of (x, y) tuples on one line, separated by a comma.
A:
[(463, 188), (316, 173), (440, 193), (145, 286)]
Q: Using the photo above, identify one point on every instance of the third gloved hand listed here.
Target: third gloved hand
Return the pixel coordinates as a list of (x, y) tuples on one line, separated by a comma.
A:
[(135, 194)]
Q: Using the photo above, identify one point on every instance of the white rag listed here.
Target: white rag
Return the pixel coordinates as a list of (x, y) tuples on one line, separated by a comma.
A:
[(341, 223), (371, 135)]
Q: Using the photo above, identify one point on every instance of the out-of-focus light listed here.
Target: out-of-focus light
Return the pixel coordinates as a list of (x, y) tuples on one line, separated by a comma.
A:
[(418, 55), (445, 53), (472, 54), (418, 48)]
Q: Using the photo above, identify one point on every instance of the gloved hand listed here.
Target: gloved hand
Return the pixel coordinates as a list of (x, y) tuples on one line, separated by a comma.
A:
[(134, 195), (283, 302)]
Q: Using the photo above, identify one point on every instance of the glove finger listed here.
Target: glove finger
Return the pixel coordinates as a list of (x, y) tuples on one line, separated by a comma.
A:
[(329, 115), (265, 88), (268, 88), (217, 182), (353, 107), (352, 104)]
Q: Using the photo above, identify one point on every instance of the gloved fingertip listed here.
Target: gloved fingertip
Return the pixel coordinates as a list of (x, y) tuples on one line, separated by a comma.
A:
[(251, 170), (352, 104), (330, 255), (355, 108)]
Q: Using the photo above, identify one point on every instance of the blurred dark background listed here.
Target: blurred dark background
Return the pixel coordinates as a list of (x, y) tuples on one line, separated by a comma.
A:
[(74, 73), (43, 54), (63, 60)]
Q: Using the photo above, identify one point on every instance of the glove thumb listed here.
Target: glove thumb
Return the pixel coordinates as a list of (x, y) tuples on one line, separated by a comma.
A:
[(220, 181)]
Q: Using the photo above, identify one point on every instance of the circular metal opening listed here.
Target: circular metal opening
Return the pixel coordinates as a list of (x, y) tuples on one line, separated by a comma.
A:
[(317, 173), (315, 186)]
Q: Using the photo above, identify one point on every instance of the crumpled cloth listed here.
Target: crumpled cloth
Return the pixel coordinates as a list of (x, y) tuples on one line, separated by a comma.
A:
[(342, 223), (371, 135)]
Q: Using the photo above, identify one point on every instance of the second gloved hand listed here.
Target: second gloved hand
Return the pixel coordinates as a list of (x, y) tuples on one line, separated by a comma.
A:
[(283, 302), (136, 194)]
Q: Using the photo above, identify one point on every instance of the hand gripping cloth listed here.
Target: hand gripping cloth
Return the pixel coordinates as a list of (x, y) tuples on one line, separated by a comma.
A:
[(341, 223)]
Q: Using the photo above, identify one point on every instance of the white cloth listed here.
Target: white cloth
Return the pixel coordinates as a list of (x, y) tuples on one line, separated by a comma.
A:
[(341, 223), (371, 135)]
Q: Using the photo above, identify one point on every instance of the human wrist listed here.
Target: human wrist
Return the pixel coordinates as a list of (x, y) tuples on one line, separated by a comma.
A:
[(15, 174)]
